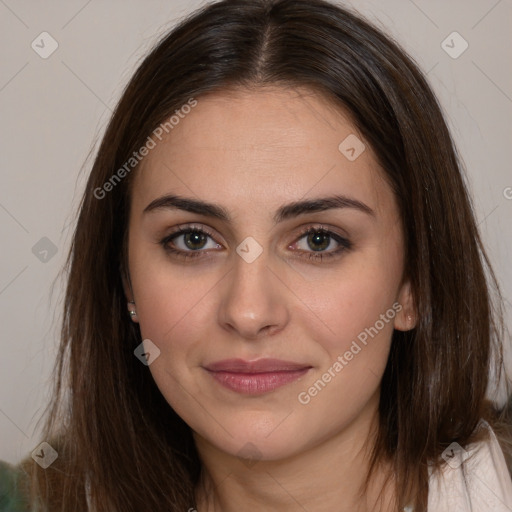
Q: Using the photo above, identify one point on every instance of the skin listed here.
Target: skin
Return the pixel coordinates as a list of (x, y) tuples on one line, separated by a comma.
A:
[(252, 151)]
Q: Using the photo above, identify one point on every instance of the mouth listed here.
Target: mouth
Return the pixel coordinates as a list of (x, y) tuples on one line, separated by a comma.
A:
[(256, 377)]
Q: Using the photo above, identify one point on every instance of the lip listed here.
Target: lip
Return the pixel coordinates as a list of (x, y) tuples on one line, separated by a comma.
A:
[(260, 366), (256, 377)]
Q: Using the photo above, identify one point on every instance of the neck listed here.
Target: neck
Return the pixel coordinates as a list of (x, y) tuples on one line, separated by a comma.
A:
[(326, 477)]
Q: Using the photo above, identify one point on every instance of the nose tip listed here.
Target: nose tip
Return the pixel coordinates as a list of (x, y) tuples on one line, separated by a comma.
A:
[(252, 304)]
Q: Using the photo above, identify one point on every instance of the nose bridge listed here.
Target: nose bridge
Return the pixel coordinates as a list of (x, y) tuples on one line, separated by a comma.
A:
[(252, 300)]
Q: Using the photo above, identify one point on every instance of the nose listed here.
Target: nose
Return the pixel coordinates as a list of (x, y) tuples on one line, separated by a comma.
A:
[(254, 301)]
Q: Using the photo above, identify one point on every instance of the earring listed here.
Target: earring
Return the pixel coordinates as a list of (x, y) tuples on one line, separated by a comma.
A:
[(132, 311)]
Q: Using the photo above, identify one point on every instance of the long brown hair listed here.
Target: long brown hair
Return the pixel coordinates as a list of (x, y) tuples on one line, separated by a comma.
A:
[(109, 422)]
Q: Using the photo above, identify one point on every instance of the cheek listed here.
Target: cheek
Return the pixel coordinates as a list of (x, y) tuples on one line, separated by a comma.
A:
[(356, 304), (359, 312), (173, 306), (177, 311), (173, 314)]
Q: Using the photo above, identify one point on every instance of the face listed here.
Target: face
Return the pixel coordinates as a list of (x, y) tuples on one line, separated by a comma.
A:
[(273, 307)]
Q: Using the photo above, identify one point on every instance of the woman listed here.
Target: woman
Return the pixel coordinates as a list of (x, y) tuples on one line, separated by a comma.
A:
[(277, 295)]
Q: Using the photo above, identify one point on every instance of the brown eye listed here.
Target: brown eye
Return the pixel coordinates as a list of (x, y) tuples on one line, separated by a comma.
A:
[(318, 240), (194, 240), (188, 242)]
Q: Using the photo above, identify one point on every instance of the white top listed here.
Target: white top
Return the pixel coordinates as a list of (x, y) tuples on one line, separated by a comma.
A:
[(473, 480)]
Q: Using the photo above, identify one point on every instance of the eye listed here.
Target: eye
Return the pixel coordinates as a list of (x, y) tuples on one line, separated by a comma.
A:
[(319, 239), (190, 242)]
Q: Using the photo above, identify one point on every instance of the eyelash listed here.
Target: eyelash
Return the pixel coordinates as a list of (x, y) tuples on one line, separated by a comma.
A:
[(345, 244)]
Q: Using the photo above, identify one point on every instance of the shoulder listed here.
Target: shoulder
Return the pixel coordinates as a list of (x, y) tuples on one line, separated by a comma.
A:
[(12, 498), (473, 478)]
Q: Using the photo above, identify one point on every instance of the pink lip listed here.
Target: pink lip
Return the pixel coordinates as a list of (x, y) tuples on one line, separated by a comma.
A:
[(255, 377)]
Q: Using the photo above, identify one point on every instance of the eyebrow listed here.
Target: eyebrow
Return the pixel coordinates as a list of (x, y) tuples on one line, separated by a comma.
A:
[(288, 211)]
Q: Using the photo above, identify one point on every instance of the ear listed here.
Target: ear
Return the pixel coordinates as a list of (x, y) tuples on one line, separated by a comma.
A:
[(127, 287), (406, 317), (126, 283)]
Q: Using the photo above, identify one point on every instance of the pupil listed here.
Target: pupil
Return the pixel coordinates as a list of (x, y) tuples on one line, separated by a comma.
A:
[(194, 238), (317, 238)]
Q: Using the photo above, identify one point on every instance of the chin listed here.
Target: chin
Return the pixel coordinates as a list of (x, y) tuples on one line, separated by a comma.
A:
[(260, 438)]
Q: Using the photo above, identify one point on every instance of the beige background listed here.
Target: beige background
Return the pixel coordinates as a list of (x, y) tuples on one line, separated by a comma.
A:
[(54, 110)]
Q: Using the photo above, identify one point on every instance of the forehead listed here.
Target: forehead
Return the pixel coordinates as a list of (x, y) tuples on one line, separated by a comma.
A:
[(264, 146)]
